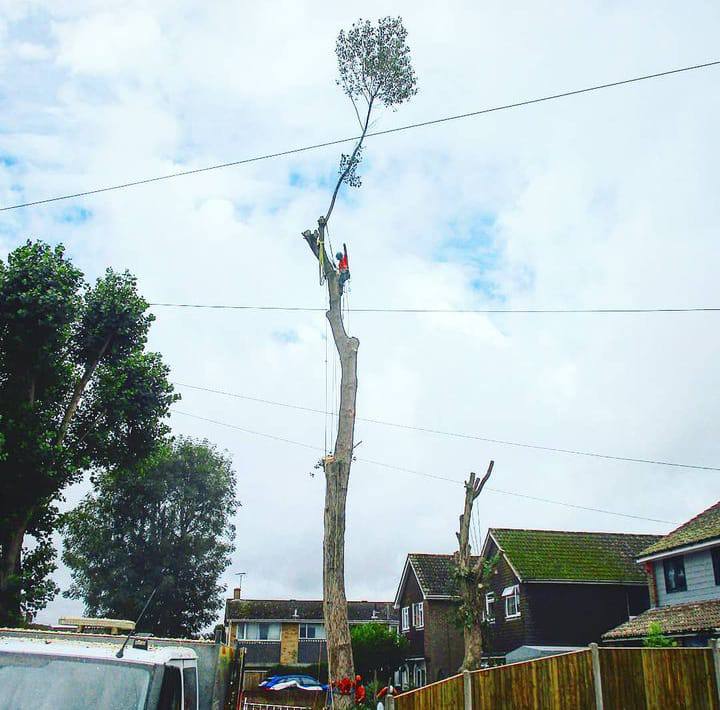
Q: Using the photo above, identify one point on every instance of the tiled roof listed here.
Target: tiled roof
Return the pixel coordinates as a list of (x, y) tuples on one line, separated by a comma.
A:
[(674, 619), (555, 555), (434, 574), (702, 527), (304, 610)]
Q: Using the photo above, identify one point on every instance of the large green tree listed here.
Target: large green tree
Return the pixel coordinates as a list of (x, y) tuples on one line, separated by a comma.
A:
[(77, 390), (164, 523)]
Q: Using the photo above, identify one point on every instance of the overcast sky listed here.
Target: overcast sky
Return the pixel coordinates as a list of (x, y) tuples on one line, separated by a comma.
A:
[(607, 199)]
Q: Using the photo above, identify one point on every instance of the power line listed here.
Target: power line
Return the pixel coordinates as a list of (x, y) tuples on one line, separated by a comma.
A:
[(458, 435), (421, 124), (423, 474), (312, 309)]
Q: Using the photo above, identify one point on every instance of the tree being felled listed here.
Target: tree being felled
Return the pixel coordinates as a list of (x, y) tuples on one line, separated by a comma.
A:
[(164, 523), (374, 70), (77, 391)]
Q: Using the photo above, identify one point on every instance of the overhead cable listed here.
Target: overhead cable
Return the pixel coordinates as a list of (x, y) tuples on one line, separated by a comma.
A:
[(314, 309), (422, 473), (459, 435), (325, 144)]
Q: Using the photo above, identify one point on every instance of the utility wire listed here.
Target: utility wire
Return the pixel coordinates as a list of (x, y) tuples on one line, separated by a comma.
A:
[(311, 309), (458, 435), (387, 131), (422, 473)]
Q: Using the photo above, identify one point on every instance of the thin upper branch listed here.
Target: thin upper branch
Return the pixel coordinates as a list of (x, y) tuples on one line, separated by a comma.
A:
[(350, 162)]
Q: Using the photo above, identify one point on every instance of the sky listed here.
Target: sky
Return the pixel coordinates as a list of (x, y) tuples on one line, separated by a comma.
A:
[(603, 200)]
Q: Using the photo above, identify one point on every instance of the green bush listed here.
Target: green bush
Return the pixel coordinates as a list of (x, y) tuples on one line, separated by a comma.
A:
[(377, 650), (656, 638)]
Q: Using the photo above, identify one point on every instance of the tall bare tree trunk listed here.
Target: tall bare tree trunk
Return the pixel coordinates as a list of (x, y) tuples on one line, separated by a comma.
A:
[(337, 476), (470, 575)]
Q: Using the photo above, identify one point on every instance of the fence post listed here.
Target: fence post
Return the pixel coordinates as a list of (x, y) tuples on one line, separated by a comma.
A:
[(467, 690), (715, 645), (389, 702), (595, 653)]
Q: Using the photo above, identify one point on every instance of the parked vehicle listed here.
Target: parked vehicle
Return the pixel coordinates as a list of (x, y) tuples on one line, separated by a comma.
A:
[(283, 682), (69, 675)]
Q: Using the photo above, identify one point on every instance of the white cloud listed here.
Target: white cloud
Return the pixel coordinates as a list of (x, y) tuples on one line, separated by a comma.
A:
[(600, 200)]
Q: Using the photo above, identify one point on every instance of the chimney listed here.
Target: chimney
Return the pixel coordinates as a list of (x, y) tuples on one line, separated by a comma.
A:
[(237, 593)]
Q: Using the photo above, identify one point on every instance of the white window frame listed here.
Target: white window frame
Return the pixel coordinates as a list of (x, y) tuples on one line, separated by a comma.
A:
[(490, 599), (418, 615), (419, 676), (242, 628), (514, 594), (406, 618), (319, 631)]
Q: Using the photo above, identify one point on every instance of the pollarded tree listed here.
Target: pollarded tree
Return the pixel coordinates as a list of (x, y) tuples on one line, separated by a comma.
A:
[(77, 391), (165, 523), (374, 70), (472, 576)]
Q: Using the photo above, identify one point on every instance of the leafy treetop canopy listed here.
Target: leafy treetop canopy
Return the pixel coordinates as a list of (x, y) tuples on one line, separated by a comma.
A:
[(374, 62)]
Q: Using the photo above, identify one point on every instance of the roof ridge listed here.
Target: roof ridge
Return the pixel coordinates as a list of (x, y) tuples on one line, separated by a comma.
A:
[(694, 518), (581, 532), (314, 601)]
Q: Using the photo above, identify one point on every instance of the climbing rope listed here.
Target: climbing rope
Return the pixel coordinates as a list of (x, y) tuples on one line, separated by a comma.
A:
[(326, 387), (321, 258)]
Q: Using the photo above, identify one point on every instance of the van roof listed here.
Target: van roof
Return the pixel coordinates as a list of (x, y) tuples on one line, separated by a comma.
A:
[(155, 655)]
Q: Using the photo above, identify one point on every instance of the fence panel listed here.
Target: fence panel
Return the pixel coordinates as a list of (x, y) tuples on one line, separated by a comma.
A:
[(554, 683), (446, 694), (658, 679)]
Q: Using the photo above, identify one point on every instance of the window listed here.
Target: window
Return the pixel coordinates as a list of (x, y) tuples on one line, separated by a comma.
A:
[(418, 613), (171, 691), (420, 676), (490, 607), (512, 601), (674, 569), (405, 618), (312, 631), (190, 693), (258, 631)]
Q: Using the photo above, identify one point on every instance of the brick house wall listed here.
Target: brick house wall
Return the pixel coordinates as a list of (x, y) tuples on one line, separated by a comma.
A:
[(444, 644), (416, 637), (504, 635)]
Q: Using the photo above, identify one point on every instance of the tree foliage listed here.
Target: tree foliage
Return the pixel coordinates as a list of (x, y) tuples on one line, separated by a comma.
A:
[(373, 65), (77, 390), (377, 649), (164, 522), (374, 62), (470, 611), (656, 637)]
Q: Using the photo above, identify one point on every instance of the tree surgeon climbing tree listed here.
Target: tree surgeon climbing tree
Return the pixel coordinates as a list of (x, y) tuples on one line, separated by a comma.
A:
[(374, 70), (472, 575)]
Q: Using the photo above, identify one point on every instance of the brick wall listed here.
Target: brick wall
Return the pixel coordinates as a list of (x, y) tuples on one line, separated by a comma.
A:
[(289, 638), (444, 644)]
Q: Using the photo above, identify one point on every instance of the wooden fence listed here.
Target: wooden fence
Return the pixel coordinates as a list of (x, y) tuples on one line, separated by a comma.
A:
[(601, 678)]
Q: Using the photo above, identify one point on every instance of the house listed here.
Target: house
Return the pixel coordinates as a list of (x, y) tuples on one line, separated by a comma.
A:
[(290, 632), (427, 602), (561, 588), (683, 575), (548, 589)]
